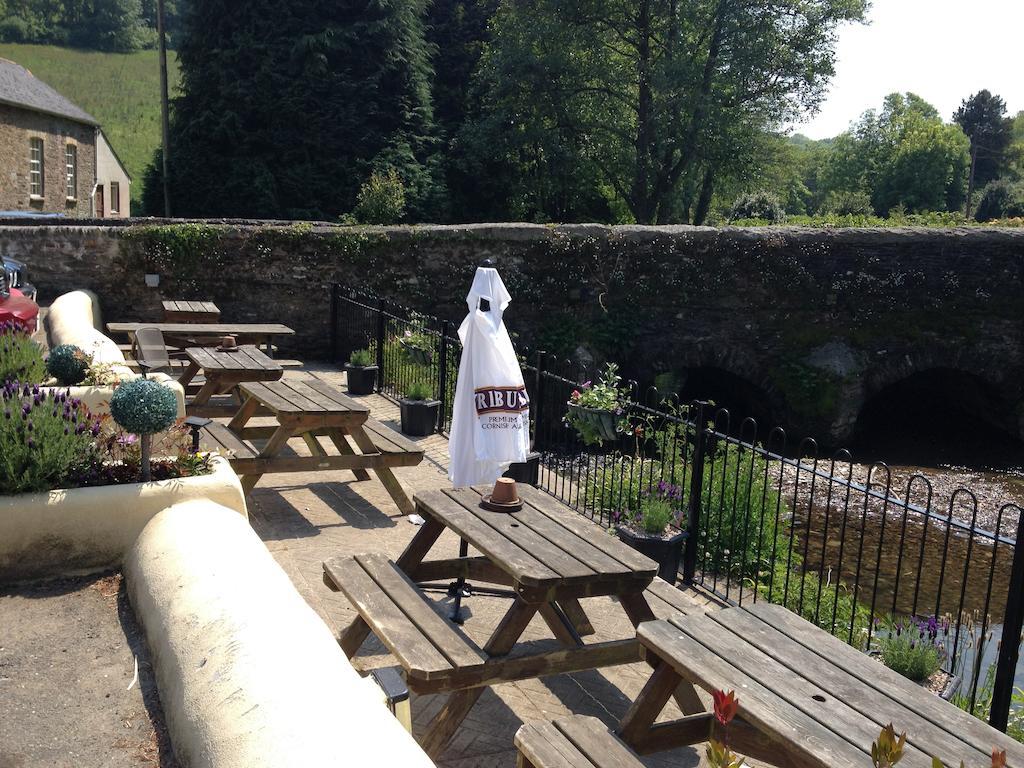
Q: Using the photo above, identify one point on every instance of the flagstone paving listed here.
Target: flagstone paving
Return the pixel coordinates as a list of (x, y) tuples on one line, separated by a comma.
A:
[(306, 518)]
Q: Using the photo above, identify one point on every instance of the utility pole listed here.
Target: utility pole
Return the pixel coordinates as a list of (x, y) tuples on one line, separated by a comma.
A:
[(164, 125)]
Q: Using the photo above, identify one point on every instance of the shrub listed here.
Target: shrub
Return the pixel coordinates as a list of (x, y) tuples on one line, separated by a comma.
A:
[(68, 364), (848, 204), (831, 606), (144, 407), (660, 505), (1001, 199), (758, 205), (361, 358), (418, 390), (45, 439), (21, 359), (15, 29), (381, 199), (913, 647)]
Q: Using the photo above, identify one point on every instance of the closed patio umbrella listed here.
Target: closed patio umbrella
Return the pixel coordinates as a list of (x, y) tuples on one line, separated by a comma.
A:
[(491, 415)]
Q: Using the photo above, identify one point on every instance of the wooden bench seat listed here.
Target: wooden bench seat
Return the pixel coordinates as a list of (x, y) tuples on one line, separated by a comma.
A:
[(429, 648), (665, 600), (572, 742)]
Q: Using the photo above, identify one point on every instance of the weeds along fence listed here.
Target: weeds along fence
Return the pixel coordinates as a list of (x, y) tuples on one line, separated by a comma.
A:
[(847, 546)]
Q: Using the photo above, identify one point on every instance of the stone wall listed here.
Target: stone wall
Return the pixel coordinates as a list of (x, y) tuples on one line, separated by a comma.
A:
[(815, 320), (17, 126)]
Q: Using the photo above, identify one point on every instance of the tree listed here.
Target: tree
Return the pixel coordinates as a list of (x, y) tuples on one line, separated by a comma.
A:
[(983, 118), (287, 108), (653, 96)]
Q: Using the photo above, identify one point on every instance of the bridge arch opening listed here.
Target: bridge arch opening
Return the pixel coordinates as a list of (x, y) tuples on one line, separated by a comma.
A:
[(741, 397), (939, 416)]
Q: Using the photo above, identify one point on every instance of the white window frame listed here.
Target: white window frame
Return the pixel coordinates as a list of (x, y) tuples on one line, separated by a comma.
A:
[(71, 168), (36, 167), (115, 196)]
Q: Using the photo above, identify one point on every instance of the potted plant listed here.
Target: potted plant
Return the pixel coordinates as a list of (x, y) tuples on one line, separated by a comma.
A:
[(361, 372), (419, 411), (916, 647), (598, 411), (417, 344), (657, 528)]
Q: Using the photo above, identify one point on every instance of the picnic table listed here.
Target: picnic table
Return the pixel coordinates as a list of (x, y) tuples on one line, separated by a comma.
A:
[(182, 335), (806, 698), (546, 555), (309, 409), (182, 311), (224, 370)]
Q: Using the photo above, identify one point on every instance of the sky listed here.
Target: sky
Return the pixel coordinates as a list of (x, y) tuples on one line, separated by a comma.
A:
[(942, 50)]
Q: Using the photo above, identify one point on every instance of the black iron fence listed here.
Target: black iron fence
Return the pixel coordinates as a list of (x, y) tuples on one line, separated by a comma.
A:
[(848, 546)]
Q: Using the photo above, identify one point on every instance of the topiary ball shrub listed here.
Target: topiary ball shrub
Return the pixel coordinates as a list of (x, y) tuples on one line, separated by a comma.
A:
[(68, 364), (144, 407)]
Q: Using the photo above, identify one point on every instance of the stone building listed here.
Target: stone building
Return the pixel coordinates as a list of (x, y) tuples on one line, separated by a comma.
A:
[(50, 152)]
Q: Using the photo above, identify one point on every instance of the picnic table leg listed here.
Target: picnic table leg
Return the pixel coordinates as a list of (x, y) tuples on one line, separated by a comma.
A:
[(571, 608), (639, 610), (338, 438), (190, 373), (210, 388), (274, 445), (447, 721), (637, 728), (420, 545), (384, 474), (560, 625), (245, 412)]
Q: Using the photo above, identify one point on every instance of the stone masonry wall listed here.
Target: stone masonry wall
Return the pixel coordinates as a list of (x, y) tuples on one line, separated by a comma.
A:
[(17, 126), (817, 320)]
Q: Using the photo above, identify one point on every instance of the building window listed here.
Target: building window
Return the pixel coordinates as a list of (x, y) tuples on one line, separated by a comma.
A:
[(35, 167), (71, 160), (115, 197)]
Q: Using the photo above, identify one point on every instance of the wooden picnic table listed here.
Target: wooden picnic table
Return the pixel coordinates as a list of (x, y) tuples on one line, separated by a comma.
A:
[(182, 311), (309, 409), (548, 557), (182, 335), (806, 698), (225, 370)]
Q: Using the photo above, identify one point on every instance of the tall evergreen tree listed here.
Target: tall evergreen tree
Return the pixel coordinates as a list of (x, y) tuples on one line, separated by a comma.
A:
[(983, 118), (287, 108)]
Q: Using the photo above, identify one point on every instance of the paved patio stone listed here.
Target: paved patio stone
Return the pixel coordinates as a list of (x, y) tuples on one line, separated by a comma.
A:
[(306, 518)]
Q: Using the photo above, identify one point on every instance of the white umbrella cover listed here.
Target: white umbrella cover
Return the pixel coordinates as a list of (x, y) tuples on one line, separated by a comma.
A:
[(491, 416)]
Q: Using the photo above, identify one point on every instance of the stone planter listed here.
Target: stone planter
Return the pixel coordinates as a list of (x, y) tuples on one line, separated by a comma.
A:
[(417, 355), (419, 417), (361, 379), (85, 530), (667, 553), (603, 422)]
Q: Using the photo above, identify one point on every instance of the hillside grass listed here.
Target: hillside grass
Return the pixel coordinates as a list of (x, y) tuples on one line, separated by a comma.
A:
[(121, 90)]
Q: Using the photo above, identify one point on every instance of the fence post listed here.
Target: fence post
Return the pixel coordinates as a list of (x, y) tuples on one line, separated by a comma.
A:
[(380, 345), (1009, 645), (538, 401), (696, 494), (442, 377), (335, 341)]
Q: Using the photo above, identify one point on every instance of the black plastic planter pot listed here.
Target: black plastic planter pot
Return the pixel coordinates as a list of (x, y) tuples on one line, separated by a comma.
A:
[(419, 417), (360, 379), (665, 552)]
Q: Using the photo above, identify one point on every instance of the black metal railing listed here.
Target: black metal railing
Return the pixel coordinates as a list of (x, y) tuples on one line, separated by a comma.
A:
[(843, 544)]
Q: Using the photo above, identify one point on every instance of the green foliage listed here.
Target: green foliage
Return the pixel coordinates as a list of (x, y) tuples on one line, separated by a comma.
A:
[(129, 112), (912, 647), (21, 359), (45, 438), (606, 396), (381, 199), (983, 118), (68, 364), (361, 358), (104, 25), (758, 205), (832, 606), (286, 107), (143, 406), (1002, 199), (182, 252), (418, 389), (659, 506), (846, 203)]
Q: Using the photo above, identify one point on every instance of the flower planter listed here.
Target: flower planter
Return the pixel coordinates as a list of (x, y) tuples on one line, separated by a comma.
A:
[(85, 530), (667, 553), (942, 684), (361, 379), (604, 422), (419, 417), (418, 355)]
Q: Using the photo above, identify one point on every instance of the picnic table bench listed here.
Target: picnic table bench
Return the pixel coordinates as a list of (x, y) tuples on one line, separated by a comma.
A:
[(182, 335), (223, 371), (806, 698), (309, 409), (548, 557)]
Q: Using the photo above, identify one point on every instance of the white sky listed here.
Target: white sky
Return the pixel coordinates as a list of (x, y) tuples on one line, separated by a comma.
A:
[(942, 50)]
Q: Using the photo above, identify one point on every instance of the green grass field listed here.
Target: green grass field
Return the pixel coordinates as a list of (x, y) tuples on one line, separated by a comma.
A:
[(120, 90)]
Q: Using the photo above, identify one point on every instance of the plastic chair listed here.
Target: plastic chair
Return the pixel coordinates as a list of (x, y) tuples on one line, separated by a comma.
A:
[(149, 350)]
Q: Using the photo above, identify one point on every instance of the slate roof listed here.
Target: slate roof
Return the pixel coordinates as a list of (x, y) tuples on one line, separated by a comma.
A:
[(21, 88)]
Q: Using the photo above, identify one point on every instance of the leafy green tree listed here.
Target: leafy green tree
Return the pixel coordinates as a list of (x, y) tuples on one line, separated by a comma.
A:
[(287, 107), (983, 118), (1015, 152), (1001, 199), (652, 97)]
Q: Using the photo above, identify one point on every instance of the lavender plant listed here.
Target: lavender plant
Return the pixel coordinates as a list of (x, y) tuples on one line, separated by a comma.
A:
[(914, 646), (660, 506), (45, 438), (21, 359)]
